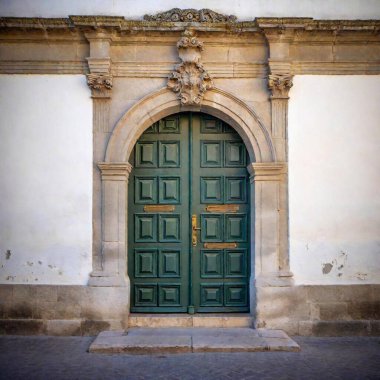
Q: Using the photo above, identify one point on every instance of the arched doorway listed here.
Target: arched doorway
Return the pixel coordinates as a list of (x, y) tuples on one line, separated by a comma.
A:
[(189, 207), (268, 191)]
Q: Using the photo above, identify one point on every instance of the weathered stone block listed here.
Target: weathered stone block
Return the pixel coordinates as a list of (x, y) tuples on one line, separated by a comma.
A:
[(67, 310), (321, 294), (70, 294), (305, 328), (364, 310), (21, 327), (63, 327), (45, 310), (101, 303), (6, 293), (375, 293), (92, 327), (333, 311), (278, 302), (23, 292), (21, 310), (355, 292), (340, 328), (46, 293), (375, 328)]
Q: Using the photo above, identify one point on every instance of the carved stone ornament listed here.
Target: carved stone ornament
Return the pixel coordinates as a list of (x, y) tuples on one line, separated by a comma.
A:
[(280, 84), (189, 79), (99, 81), (190, 15)]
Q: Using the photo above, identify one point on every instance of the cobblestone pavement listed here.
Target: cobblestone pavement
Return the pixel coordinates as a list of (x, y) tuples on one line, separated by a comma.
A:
[(59, 358)]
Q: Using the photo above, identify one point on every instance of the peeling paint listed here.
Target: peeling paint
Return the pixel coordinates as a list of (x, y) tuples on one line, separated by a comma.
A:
[(361, 276), (326, 268)]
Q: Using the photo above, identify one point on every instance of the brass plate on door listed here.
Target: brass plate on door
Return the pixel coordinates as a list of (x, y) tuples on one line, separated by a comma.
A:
[(159, 208), (222, 208), (219, 245)]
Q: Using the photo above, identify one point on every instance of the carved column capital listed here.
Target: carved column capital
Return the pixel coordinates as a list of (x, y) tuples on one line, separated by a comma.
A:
[(115, 171), (267, 171), (280, 84), (100, 84), (189, 79)]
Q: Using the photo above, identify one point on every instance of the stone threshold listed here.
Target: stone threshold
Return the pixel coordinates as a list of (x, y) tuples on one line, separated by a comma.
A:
[(191, 340), (215, 320)]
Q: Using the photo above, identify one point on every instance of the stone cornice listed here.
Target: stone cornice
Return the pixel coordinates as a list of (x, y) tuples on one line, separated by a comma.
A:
[(115, 171), (119, 23), (268, 23)]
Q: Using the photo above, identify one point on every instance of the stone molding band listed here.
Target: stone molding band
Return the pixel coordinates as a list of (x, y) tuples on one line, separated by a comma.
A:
[(115, 171)]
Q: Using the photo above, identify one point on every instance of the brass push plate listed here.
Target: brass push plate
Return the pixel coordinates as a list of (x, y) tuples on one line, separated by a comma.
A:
[(222, 208), (159, 208), (219, 245)]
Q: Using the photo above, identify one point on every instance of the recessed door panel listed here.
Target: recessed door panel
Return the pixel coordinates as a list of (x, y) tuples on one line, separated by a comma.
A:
[(145, 263), (211, 189), (211, 154), (145, 190), (211, 264), (169, 154), (146, 154), (169, 264), (170, 228), (188, 221), (170, 190)]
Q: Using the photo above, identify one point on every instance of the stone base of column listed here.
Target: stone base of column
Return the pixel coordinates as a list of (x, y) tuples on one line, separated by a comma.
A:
[(100, 278), (275, 279)]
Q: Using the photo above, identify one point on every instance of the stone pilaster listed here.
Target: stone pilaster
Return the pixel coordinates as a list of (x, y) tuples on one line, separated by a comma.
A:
[(280, 83), (271, 226), (100, 82), (112, 269)]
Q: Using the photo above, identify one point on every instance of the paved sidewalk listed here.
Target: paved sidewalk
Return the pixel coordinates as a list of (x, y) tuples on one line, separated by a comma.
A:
[(59, 358)]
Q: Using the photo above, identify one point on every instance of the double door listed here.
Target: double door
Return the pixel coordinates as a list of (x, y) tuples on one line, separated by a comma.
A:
[(188, 220)]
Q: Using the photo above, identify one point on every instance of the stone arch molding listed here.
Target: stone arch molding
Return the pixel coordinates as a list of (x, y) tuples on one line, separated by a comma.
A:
[(269, 264), (216, 102)]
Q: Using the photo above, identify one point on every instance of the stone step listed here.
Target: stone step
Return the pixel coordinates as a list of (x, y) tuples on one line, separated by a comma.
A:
[(186, 320), (188, 340)]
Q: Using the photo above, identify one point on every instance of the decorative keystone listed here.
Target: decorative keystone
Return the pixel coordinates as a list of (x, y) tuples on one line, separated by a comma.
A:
[(189, 79), (280, 84)]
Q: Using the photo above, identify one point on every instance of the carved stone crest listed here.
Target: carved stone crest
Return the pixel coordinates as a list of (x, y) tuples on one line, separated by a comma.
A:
[(280, 84), (189, 79), (190, 15)]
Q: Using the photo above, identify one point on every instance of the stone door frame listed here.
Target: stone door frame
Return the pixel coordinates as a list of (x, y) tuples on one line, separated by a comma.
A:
[(268, 177)]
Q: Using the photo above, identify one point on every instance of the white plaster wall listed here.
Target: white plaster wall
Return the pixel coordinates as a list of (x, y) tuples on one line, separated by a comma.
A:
[(243, 9), (334, 179), (45, 179)]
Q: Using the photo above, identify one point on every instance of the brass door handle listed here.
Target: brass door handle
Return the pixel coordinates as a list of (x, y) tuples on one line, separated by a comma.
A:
[(194, 230)]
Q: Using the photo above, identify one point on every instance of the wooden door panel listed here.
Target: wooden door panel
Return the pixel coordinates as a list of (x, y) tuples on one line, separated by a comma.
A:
[(220, 203), (184, 165), (158, 228)]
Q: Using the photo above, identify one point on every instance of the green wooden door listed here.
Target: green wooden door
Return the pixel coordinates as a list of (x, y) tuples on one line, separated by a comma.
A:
[(188, 234)]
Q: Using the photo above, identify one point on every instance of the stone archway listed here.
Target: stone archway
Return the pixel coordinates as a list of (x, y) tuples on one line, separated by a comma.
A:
[(216, 102), (268, 191)]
